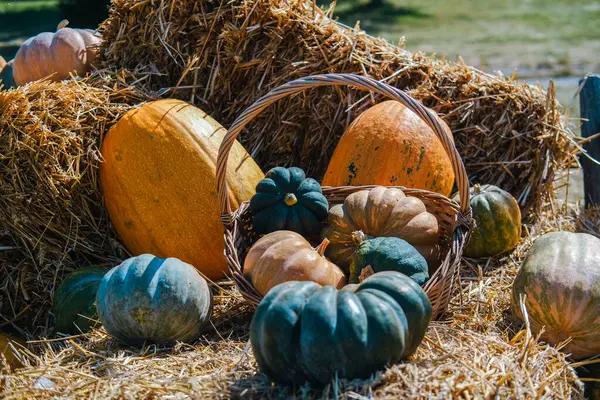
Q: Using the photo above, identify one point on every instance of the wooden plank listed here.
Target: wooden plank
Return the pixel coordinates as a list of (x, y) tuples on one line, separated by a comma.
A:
[(589, 99)]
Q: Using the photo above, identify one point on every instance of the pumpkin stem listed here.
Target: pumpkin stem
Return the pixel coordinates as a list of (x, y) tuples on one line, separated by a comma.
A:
[(477, 188), (62, 24), (320, 249), (290, 199), (358, 237), (365, 273)]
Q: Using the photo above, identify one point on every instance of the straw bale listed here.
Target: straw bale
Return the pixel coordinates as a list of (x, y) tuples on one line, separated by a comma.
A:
[(224, 55), (51, 215), (481, 351), (588, 221)]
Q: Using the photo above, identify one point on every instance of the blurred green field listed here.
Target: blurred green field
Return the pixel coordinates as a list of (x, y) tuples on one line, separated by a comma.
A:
[(538, 36), (22, 19)]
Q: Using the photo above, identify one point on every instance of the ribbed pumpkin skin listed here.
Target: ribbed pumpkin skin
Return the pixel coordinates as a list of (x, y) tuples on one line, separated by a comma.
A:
[(561, 279), (389, 145), (57, 54), (75, 299), (284, 256), (389, 254), (158, 179), (380, 212), (498, 220), (150, 299), (7, 351), (304, 332), (287, 200)]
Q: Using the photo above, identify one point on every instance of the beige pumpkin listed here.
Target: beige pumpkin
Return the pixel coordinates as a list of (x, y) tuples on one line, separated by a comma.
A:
[(284, 256), (381, 212), (56, 55)]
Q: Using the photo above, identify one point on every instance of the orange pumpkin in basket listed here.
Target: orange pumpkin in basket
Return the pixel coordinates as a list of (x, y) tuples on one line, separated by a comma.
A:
[(158, 179), (389, 145)]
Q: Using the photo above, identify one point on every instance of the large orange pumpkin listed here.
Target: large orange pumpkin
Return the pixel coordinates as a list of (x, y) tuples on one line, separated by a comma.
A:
[(56, 55), (389, 145), (159, 178)]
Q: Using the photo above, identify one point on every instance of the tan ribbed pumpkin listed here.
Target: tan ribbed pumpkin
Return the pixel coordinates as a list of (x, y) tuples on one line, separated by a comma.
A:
[(284, 256), (381, 212), (159, 178), (56, 54)]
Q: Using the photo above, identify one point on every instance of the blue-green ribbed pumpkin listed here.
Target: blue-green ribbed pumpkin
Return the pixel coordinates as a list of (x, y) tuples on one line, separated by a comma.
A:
[(302, 331), (389, 254), (156, 300), (75, 301), (287, 200), (6, 76)]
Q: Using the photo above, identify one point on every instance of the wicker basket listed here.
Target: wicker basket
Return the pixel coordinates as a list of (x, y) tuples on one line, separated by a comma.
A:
[(454, 222)]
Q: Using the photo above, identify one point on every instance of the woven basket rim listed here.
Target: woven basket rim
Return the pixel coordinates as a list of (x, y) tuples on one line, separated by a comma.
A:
[(441, 284)]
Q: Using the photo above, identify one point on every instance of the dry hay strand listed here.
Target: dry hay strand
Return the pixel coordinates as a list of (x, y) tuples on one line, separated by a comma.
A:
[(451, 363), (480, 352), (51, 215), (588, 221), (223, 55)]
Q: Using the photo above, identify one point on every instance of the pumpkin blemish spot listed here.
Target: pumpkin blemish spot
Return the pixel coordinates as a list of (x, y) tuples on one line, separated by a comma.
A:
[(353, 170)]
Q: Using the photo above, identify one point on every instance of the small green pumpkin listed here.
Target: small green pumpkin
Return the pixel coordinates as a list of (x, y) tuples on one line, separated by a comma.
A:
[(6, 76), (498, 219), (287, 200), (75, 301), (302, 331), (155, 300), (388, 254)]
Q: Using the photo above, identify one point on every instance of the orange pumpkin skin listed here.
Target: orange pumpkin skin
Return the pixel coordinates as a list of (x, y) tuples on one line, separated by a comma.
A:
[(56, 55), (284, 256), (158, 179), (389, 145)]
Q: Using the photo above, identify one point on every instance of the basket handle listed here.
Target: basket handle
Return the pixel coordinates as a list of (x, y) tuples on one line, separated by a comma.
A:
[(358, 82)]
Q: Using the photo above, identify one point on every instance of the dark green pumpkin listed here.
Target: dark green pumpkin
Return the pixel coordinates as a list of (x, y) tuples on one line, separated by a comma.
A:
[(287, 200), (74, 301), (303, 332), (6, 76), (498, 219), (389, 254), (154, 300)]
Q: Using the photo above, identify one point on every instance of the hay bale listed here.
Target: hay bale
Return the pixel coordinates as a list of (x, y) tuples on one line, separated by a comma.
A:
[(224, 55), (481, 352), (588, 221), (51, 215)]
